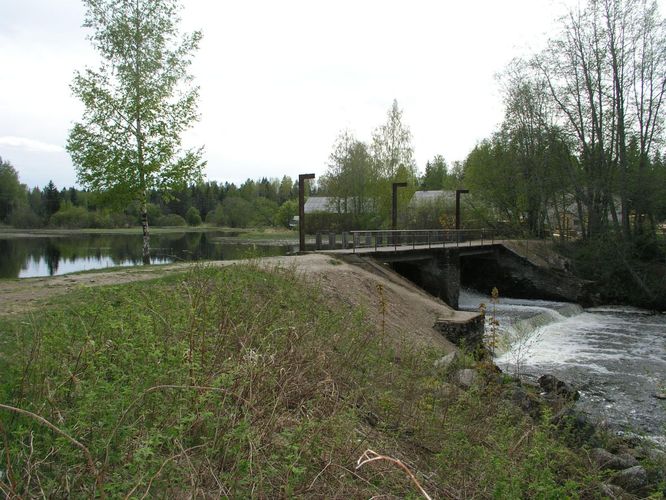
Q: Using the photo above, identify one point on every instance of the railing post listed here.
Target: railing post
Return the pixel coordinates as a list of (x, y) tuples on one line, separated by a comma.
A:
[(368, 239), (345, 240), (318, 241), (331, 241)]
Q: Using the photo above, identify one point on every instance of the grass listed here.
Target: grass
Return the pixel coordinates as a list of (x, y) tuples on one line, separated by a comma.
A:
[(246, 382)]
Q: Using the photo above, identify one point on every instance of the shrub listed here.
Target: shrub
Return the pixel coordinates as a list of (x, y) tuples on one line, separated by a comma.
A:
[(71, 217), (216, 216), (171, 220), (192, 216), (24, 217)]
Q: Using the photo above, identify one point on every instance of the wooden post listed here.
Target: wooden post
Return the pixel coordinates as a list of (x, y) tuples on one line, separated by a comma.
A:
[(458, 193), (301, 209), (394, 205), (394, 209)]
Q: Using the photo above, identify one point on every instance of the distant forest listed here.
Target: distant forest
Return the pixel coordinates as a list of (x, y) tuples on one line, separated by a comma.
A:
[(261, 203)]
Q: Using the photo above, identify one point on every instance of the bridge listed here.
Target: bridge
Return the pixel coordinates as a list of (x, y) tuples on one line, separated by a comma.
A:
[(438, 260)]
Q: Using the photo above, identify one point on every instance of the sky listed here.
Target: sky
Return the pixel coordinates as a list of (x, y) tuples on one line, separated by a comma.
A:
[(280, 79)]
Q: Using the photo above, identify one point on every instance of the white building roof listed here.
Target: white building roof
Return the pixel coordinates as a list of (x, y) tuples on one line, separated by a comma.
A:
[(319, 204), (422, 197)]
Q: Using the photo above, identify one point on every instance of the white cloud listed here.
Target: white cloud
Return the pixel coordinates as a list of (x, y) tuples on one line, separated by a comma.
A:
[(28, 144)]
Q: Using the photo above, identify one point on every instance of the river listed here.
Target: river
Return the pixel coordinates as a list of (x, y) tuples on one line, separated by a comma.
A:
[(615, 356), (49, 255)]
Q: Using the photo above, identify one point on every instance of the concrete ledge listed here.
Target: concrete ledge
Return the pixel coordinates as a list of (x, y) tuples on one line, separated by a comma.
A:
[(465, 329)]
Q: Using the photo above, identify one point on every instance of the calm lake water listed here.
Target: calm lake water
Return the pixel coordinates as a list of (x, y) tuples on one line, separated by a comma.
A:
[(615, 356), (52, 255)]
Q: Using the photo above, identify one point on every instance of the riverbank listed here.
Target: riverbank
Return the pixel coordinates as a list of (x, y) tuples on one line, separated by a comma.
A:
[(269, 380)]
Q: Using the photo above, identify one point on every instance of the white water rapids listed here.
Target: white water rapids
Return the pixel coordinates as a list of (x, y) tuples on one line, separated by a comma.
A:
[(615, 356)]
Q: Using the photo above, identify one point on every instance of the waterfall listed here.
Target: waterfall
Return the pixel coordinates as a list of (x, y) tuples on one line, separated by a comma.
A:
[(614, 355)]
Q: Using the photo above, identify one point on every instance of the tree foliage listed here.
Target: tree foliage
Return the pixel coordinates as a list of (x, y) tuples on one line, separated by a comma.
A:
[(583, 126), (392, 145), (137, 103), (11, 191), (606, 75)]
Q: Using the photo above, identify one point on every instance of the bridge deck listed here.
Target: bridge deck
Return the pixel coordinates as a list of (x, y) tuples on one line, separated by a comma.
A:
[(409, 247)]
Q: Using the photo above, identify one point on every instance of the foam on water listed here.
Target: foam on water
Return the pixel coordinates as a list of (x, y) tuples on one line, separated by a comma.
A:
[(616, 356)]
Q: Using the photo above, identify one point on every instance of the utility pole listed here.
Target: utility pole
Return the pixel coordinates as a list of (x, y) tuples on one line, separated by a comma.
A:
[(458, 193), (301, 209)]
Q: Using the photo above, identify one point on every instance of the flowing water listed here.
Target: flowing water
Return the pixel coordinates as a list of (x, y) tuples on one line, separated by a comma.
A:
[(52, 255), (615, 356)]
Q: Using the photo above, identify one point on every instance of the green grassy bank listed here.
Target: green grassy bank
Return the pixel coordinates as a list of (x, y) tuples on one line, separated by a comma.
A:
[(243, 382)]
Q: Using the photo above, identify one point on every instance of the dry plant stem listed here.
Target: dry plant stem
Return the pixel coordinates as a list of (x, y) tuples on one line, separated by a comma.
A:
[(78, 444), (372, 456), (10, 470), (319, 474)]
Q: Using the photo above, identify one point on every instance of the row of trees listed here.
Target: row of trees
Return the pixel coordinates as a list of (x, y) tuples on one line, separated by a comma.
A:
[(583, 127), (265, 202)]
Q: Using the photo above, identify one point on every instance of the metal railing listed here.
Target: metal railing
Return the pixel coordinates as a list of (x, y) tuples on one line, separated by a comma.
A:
[(421, 238)]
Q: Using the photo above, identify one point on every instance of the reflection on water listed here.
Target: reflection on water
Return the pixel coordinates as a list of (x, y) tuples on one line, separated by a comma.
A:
[(616, 356), (48, 256)]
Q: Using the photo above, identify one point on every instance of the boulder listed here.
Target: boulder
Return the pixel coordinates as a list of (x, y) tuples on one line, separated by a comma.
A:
[(614, 492), (633, 479), (466, 377), (606, 460), (527, 402), (448, 360), (553, 386)]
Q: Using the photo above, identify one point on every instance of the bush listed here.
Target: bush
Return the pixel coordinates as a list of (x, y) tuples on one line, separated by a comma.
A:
[(192, 216), (24, 217), (287, 211), (171, 220), (237, 212), (216, 216), (71, 217)]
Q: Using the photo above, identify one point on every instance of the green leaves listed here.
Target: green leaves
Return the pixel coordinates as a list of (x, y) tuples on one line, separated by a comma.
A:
[(138, 103)]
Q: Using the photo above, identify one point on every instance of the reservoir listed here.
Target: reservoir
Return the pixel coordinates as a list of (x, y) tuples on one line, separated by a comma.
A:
[(50, 255)]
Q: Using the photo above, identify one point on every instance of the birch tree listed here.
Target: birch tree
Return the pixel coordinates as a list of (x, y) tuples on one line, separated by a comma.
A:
[(137, 103), (392, 145), (606, 73)]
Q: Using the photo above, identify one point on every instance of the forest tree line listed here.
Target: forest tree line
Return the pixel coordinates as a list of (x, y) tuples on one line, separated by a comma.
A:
[(260, 203)]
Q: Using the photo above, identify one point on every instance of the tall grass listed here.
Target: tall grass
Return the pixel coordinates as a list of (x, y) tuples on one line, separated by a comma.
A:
[(246, 382)]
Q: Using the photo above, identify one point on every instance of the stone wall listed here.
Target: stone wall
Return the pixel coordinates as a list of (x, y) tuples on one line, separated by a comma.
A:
[(464, 332)]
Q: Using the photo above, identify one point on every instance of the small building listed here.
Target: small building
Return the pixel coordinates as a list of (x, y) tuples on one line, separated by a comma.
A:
[(320, 205), (434, 197)]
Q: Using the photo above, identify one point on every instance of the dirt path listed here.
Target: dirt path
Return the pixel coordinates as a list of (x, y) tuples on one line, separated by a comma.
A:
[(364, 283)]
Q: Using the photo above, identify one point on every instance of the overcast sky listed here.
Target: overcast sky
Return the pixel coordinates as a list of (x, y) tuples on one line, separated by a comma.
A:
[(280, 79)]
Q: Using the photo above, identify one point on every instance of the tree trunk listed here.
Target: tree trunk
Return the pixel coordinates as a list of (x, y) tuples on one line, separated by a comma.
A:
[(146, 233)]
